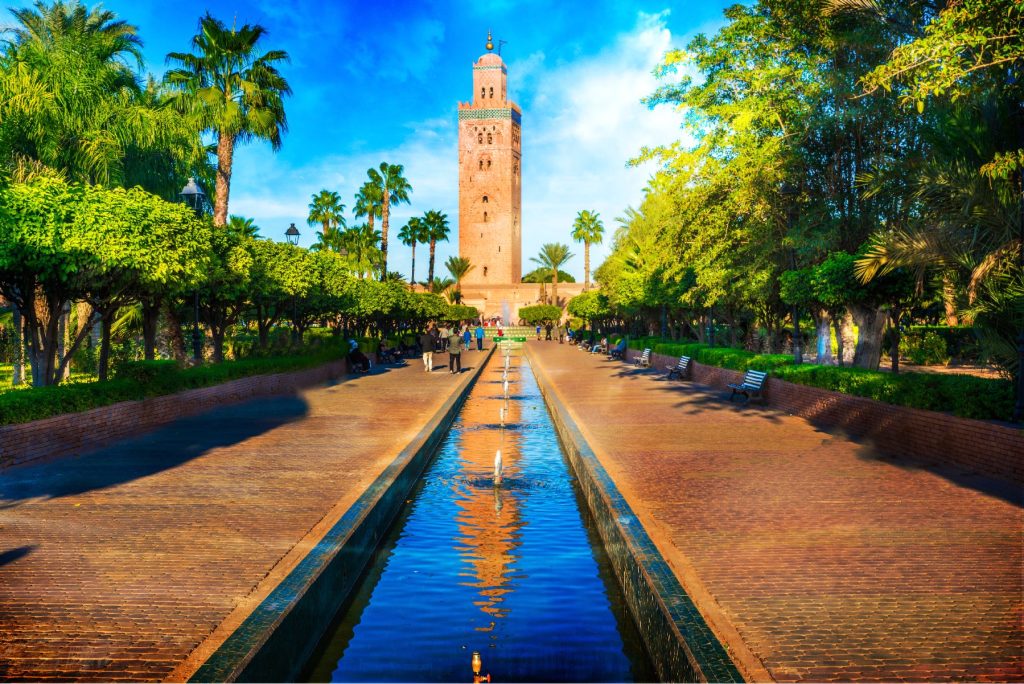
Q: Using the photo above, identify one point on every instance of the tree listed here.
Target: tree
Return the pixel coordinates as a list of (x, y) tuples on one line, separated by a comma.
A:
[(369, 203), (244, 226), (552, 257), (232, 91), (458, 267), (540, 314), (588, 229), (436, 224), (394, 189), (592, 306), (360, 242), (411, 234), (327, 210)]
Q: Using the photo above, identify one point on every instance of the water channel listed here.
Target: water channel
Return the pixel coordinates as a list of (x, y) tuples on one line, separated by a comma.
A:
[(515, 571)]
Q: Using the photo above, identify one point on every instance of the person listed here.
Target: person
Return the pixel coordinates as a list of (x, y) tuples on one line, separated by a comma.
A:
[(427, 348), (619, 350), (479, 337), (547, 332), (538, 332), (467, 337), (561, 334), (357, 360), (454, 352)]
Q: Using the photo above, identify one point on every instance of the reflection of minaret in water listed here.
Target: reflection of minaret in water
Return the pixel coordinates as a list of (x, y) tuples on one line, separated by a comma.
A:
[(489, 519)]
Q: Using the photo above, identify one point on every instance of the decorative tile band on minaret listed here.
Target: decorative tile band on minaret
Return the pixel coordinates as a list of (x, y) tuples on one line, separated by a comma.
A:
[(490, 171)]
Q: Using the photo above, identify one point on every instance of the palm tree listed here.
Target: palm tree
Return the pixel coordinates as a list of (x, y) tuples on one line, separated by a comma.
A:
[(437, 230), (439, 286), (244, 226), (327, 210), (553, 256), (458, 267), (394, 189), (360, 242), (411, 234), (588, 229), (369, 203), (232, 91)]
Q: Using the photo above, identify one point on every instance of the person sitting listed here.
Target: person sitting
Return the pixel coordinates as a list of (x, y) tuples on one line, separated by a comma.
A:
[(387, 353), (357, 360), (619, 350), (601, 347)]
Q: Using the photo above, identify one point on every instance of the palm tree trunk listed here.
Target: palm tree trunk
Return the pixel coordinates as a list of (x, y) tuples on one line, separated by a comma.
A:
[(225, 157), (586, 266), (554, 286), (430, 271), (384, 212), (412, 274), (949, 300)]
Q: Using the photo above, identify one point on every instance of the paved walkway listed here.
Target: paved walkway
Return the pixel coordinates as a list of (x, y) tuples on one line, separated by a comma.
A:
[(135, 562), (814, 557)]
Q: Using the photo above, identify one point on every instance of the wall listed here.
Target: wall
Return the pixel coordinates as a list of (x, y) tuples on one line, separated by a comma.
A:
[(77, 432), (927, 436)]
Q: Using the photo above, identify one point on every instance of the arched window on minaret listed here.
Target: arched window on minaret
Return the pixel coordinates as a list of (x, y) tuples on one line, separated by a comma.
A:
[(485, 217), (481, 164), (488, 163), (485, 199), (485, 271), (480, 138), (489, 139), (492, 92), (483, 92)]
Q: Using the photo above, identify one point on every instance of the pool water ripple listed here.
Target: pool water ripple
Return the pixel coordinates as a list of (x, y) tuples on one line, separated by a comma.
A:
[(513, 571)]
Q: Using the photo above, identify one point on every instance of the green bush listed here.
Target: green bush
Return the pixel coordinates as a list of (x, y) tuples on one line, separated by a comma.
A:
[(961, 340), (141, 379), (925, 348), (963, 395)]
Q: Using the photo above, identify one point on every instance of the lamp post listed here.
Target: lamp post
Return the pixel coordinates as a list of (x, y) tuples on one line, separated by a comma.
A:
[(790, 194), (194, 197), (292, 236)]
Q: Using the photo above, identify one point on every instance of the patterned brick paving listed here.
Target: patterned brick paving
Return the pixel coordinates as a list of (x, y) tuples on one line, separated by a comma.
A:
[(116, 565), (814, 557)]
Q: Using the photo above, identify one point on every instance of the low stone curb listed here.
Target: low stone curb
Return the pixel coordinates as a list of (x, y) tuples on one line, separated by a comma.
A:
[(925, 436), (682, 646), (75, 433), (274, 643)]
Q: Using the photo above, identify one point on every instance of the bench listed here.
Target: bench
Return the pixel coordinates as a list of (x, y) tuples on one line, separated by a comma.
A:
[(644, 360), (680, 369), (751, 386)]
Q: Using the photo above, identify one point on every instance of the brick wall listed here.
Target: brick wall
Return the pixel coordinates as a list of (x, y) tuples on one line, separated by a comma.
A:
[(921, 435), (77, 432)]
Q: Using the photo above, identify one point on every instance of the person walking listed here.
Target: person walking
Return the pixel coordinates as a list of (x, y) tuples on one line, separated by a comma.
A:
[(561, 334), (467, 338), (479, 337), (427, 347), (547, 332), (538, 332), (454, 352)]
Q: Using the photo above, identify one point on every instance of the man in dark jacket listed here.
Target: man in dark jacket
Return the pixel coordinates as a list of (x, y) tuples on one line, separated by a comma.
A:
[(454, 352), (427, 347)]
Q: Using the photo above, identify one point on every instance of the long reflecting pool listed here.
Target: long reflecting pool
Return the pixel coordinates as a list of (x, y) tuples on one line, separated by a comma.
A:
[(512, 570)]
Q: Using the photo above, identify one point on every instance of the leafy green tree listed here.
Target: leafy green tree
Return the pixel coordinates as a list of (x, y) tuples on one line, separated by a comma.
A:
[(540, 314), (552, 257), (231, 90), (394, 189), (592, 306), (280, 276), (437, 228), (327, 211), (588, 229)]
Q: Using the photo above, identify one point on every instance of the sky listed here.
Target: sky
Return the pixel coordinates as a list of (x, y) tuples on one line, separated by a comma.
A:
[(380, 81)]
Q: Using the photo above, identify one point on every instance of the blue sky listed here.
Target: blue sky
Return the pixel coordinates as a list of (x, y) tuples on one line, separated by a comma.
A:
[(379, 81)]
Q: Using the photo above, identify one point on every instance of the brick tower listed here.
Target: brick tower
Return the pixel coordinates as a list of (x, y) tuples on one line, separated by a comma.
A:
[(490, 166)]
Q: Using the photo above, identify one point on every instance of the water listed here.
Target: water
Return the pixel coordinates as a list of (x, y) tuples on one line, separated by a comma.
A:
[(515, 572)]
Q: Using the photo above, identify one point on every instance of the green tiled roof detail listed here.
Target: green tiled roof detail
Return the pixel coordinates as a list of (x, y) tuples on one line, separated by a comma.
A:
[(473, 114), (490, 67)]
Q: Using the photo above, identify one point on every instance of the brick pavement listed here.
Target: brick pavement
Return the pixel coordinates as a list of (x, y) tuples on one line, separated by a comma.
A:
[(136, 561), (813, 557)]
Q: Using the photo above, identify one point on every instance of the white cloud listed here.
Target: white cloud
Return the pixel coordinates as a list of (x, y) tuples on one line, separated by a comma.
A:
[(583, 121)]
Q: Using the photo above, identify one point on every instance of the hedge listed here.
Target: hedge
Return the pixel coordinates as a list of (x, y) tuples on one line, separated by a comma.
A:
[(966, 396), (142, 379)]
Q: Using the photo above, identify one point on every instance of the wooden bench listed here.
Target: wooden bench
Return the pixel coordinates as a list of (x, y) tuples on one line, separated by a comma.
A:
[(680, 369), (751, 386), (644, 360)]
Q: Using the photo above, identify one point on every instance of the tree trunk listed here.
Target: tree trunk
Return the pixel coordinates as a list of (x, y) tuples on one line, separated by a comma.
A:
[(104, 360), (150, 319), (949, 300), (384, 216), (837, 325), (175, 334), (412, 273), (63, 323), (586, 265), (870, 322), (225, 157), (849, 337), (217, 337), (894, 349), (823, 327), (18, 376), (430, 271), (554, 287)]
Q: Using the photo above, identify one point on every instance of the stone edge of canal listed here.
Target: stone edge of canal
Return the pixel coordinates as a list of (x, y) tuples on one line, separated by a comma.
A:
[(274, 642)]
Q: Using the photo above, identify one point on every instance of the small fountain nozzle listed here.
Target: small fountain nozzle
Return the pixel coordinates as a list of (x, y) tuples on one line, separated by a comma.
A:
[(497, 467)]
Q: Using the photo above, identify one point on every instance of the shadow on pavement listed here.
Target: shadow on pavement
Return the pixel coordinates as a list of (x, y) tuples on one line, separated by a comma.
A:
[(14, 554)]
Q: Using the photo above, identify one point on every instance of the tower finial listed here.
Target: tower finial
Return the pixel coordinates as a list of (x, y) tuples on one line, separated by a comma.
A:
[(490, 44)]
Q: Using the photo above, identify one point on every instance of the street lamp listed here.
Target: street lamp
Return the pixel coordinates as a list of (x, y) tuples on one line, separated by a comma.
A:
[(292, 235), (790, 194), (193, 196)]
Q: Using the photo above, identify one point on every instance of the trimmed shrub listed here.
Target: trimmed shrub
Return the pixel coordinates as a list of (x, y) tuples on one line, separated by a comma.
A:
[(925, 348)]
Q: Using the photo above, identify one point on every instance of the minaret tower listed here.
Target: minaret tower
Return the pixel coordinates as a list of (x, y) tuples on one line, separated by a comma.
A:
[(490, 169)]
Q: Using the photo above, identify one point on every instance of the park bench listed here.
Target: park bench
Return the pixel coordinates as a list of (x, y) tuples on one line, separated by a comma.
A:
[(751, 386), (644, 360), (680, 369)]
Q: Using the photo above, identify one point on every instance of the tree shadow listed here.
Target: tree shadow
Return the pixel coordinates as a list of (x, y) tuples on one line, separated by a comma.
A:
[(9, 556), (138, 457)]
